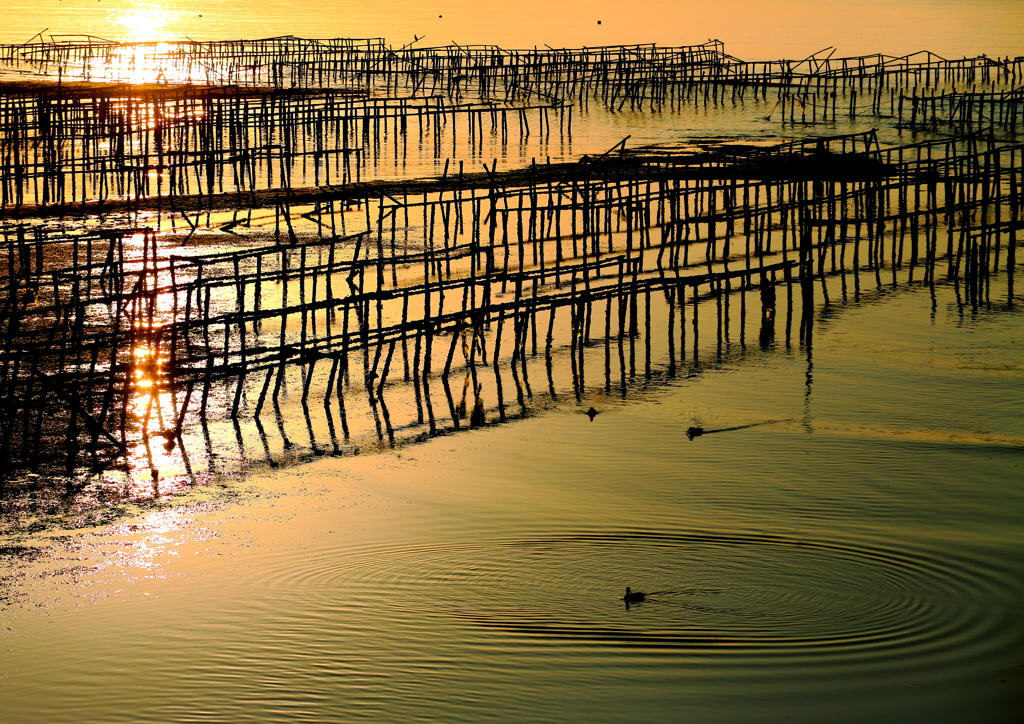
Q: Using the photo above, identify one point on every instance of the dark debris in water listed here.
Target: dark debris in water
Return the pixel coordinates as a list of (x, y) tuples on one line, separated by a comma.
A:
[(27, 553)]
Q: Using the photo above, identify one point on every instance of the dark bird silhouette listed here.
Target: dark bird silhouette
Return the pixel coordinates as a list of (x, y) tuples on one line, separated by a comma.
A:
[(698, 431), (592, 413), (633, 596), (168, 436)]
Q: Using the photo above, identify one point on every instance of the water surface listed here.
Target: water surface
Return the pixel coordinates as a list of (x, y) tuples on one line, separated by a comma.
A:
[(857, 558), (841, 544)]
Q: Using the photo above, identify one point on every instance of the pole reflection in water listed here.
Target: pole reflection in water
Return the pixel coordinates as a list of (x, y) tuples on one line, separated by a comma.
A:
[(483, 286), (269, 283)]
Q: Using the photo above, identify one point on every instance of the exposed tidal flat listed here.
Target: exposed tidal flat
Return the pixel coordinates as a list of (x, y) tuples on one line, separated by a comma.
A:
[(284, 446)]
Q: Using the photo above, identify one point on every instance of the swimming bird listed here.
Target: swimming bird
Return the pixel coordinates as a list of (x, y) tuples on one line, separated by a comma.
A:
[(633, 596), (592, 413)]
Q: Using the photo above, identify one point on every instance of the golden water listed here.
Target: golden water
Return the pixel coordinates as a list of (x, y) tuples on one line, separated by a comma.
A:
[(843, 544), (857, 559)]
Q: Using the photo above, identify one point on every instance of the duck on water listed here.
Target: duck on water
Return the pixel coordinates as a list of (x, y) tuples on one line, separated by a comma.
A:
[(633, 596)]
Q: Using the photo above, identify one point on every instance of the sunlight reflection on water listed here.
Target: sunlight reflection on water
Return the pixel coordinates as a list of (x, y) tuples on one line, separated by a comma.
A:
[(851, 562), (147, 23), (781, 566)]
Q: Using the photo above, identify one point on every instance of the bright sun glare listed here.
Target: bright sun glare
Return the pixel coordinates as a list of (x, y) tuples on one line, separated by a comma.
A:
[(148, 24), (144, 24)]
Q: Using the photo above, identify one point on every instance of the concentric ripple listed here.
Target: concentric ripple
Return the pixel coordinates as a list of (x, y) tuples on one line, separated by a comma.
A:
[(760, 594)]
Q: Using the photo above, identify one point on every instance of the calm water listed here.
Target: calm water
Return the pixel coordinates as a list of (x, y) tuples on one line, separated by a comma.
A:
[(858, 559), (843, 544)]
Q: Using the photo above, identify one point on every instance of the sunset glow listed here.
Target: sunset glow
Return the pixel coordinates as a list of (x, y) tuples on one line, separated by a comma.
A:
[(145, 24), (511, 361)]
